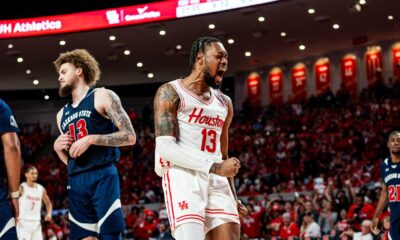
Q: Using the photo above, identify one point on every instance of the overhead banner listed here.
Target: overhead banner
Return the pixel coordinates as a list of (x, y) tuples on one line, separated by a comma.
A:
[(117, 17), (396, 61), (374, 64), (322, 70), (254, 86), (275, 85), (299, 82), (348, 72)]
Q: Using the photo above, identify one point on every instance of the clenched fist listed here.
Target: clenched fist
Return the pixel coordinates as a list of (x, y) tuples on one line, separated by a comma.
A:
[(228, 168)]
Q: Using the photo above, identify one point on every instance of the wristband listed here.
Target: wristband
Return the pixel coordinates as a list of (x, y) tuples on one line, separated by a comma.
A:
[(14, 195)]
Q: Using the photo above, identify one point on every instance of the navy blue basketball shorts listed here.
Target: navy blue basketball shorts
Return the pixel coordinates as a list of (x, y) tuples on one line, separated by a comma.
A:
[(7, 221), (94, 203), (394, 231)]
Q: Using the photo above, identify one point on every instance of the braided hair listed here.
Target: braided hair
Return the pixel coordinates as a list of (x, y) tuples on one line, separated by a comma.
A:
[(199, 46)]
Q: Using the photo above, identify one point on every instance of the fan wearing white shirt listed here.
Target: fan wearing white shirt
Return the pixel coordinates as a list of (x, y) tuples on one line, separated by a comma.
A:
[(365, 233), (310, 228)]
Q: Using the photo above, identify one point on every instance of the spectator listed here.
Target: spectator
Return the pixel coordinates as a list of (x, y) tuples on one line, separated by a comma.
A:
[(289, 228), (309, 228), (365, 233)]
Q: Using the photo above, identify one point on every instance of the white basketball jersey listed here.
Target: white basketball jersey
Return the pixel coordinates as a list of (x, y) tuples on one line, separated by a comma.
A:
[(30, 202), (200, 123)]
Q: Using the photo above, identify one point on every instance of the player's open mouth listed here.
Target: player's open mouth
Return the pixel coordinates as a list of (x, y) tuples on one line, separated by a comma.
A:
[(220, 74)]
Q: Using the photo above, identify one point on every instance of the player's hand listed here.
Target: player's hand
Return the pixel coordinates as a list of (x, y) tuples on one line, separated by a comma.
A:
[(15, 206), (241, 209), (80, 146), (63, 142), (228, 168), (48, 218), (374, 226)]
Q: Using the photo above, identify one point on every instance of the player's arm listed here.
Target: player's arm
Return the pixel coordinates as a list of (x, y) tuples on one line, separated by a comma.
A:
[(166, 104), (12, 157), (383, 200), (48, 205), (63, 141), (108, 104), (225, 141), (224, 151)]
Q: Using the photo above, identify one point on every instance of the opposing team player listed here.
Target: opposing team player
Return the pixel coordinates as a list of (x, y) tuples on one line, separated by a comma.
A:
[(390, 174), (192, 118), (10, 168), (92, 126), (32, 194)]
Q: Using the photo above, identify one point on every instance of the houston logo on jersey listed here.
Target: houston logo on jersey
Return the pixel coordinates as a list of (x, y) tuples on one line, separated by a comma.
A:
[(198, 118)]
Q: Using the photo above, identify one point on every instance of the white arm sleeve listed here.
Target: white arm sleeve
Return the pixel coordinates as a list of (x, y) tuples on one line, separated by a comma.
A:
[(178, 154)]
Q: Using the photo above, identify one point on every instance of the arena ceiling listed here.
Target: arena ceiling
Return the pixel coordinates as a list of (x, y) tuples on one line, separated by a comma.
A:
[(160, 56)]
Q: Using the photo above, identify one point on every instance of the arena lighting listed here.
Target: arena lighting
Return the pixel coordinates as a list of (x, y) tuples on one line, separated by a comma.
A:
[(10, 46), (127, 52), (302, 47), (112, 38), (179, 47), (117, 17), (150, 75), (335, 26), (231, 41), (20, 59), (311, 11), (46, 97), (247, 54), (362, 2), (211, 26), (261, 19), (139, 64), (35, 82), (28, 71), (390, 17), (63, 42), (283, 34), (162, 32)]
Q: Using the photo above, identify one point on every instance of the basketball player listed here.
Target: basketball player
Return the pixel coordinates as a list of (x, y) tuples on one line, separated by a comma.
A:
[(192, 118), (390, 174), (10, 167), (92, 126), (30, 205)]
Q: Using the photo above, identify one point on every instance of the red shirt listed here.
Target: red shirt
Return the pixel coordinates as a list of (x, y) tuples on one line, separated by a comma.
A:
[(290, 231), (145, 229), (251, 224)]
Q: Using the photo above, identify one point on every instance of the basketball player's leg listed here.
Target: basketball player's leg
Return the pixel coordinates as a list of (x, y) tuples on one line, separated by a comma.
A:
[(185, 195), (222, 217), (190, 230), (82, 215), (107, 203), (37, 233), (224, 231)]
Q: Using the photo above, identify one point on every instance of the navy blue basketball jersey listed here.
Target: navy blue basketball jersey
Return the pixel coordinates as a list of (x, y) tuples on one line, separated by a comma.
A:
[(7, 124), (84, 120), (390, 173)]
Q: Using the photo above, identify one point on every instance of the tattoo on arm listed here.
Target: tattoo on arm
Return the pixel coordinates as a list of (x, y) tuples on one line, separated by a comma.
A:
[(121, 120), (166, 103), (216, 168)]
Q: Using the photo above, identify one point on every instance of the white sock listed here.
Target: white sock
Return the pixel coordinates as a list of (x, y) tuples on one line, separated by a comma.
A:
[(190, 231)]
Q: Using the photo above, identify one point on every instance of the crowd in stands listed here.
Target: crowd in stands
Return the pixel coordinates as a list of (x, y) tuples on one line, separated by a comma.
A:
[(309, 170)]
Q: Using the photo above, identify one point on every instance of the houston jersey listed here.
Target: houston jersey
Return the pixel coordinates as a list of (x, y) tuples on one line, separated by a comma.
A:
[(30, 202), (390, 173), (200, 123), (81, 121)]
